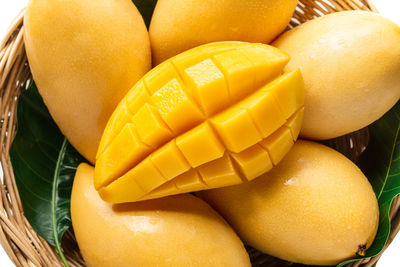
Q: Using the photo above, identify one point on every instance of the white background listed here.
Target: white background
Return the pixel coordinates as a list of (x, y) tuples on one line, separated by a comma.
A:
[(389, 8)]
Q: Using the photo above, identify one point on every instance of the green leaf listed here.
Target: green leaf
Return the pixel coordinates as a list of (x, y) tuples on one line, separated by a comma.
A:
[(146, 8), (44, 165), (381, 164)]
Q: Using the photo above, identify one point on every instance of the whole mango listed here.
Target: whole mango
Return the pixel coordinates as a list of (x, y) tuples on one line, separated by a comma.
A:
[(316, 207), (213, 116), (84, 56), (351, 66), (173, 231), (176, 27)]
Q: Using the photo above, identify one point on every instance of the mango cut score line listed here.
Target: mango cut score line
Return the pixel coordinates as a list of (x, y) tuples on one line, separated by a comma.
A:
[(213, 116)]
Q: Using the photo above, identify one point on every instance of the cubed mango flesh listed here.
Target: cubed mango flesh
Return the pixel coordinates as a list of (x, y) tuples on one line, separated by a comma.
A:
[(214, 116)]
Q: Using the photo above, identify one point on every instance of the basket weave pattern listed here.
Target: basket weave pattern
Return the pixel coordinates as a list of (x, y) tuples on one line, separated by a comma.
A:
[(22, 244)]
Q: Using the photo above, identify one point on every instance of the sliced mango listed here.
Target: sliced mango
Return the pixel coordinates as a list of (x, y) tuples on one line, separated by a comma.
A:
[(131, 149), (190, 181), (170, 161), (236, 129), (216, 115), (202, 79), (172, 102), (220, 172), (253, 161), (150, 127), (239, 72), (200, 145), (278, 144)]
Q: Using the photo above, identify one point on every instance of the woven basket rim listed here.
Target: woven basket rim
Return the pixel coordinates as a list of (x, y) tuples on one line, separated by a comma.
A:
[(21, 243)]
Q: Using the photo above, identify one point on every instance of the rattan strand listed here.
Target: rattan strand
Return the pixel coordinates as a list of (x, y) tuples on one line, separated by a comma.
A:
[(22, 244)]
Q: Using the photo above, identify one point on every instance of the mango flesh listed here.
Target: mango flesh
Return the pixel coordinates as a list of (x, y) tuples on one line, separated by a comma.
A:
[(173, 231), (216, 115), (316, 207), (177, 27), (84, 56), (351, 67)]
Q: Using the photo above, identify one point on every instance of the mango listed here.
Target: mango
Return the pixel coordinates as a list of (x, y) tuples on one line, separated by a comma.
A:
[(177, 27), (351, 66), (217, 115), (173, 231), (84, 56), (316, 207)]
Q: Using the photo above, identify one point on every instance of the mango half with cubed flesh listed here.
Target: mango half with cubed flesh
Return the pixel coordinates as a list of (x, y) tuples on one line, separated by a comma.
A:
[(217, 115)]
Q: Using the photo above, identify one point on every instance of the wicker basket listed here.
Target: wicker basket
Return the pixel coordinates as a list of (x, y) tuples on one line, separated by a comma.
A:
[(22, 243)]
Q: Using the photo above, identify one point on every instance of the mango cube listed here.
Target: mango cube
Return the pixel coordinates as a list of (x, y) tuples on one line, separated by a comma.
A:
[(111, 164), (172, 102), (118, 119), (220, 172), (170, 160), (269, 62), (208, 87), (278, 144), (285, 89), (146, 175), (137, 97), (200, 145), (190, 181), (151, 129), (239, 72), (294, 123), (159, 77), (236, 129), (265, 112), (216, 115), (169, 188), (253, 161)]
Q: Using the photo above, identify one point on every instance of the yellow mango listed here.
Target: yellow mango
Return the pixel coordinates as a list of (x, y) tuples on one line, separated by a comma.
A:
[(351, 67), (316, 207), (172, 231), (213, 116), (84, 56), (177, 27)]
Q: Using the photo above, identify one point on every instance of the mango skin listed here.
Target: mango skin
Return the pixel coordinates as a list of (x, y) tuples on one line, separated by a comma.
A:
[(351, 67), (84, 56), (173, 231), (316, 207), (177, 27)]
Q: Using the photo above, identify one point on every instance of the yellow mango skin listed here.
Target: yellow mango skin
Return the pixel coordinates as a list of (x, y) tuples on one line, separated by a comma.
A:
[(84, 56), (316, 207), (177, 27), (213, 116), (351, 66), (173, 231)]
